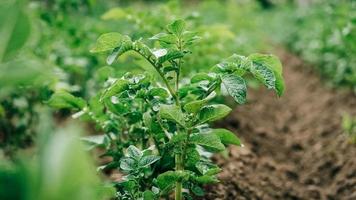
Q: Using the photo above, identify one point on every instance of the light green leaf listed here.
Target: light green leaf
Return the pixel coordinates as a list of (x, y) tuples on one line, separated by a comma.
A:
[(107, 42), (171, 55), (125, 45), (195, 106), (134, 152), (201, 77), (96, 141), (226, 136), (148, 160), (209, 141), (268, 70), (234, 64), (127, 164), (62, 99), (172, 113), (117, 87), (177, 27), (159, 92), (165, 38), (213, 112), (114, 14), (15, 28), (235, 86)]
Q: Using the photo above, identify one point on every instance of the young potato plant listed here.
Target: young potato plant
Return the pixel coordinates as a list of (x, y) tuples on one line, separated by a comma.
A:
[(349, 127), (158, 131)]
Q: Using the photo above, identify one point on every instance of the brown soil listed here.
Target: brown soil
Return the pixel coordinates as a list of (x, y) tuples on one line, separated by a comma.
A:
[(294, 146)]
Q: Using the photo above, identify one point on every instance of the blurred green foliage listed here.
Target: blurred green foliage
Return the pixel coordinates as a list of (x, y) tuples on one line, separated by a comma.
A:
[(61, 170), (323, 33), (349, 126)]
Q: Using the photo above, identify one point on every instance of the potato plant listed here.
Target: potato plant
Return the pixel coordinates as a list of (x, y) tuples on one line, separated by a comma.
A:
[(158, 124), (349, 127)]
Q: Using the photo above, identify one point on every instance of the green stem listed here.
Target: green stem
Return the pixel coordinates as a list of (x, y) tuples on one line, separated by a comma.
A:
[(157, 68), (179, 184)]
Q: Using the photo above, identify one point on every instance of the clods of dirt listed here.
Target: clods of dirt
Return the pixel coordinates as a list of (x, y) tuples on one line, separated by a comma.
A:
[(295, 147)]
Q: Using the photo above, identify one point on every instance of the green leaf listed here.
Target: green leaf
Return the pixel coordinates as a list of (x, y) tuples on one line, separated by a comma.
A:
[(226, 136), (195, 106), (114, 14), (15, 28), (177, 27), (134, 152), (172, 113), (159, 92), (165, 38), (213, 112), (198, 191), (125, 45), (268, 70), (127, 164), (96, 141), (117, 87), (201, 77), (192, 158), (169, 56), (2, 111), (62, 99), (209, 141), (167, 180), (107, 42), (148, 160), (148, 195), (235, 86), (206, 179), (234, 64)]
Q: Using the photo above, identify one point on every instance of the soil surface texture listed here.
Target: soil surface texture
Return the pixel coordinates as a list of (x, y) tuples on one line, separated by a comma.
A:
[(294, 146)]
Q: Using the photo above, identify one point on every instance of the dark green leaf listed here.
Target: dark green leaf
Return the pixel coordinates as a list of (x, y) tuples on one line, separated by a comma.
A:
[(198, 191)]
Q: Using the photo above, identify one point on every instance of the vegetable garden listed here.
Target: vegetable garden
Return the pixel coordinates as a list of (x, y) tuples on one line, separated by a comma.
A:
[(148, 100)]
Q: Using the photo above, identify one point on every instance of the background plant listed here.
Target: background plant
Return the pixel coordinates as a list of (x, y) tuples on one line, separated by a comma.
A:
[(349, 126)]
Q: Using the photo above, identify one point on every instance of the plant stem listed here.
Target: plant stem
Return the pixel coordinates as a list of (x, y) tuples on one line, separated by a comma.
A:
[(179, 167), (157, 68)]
